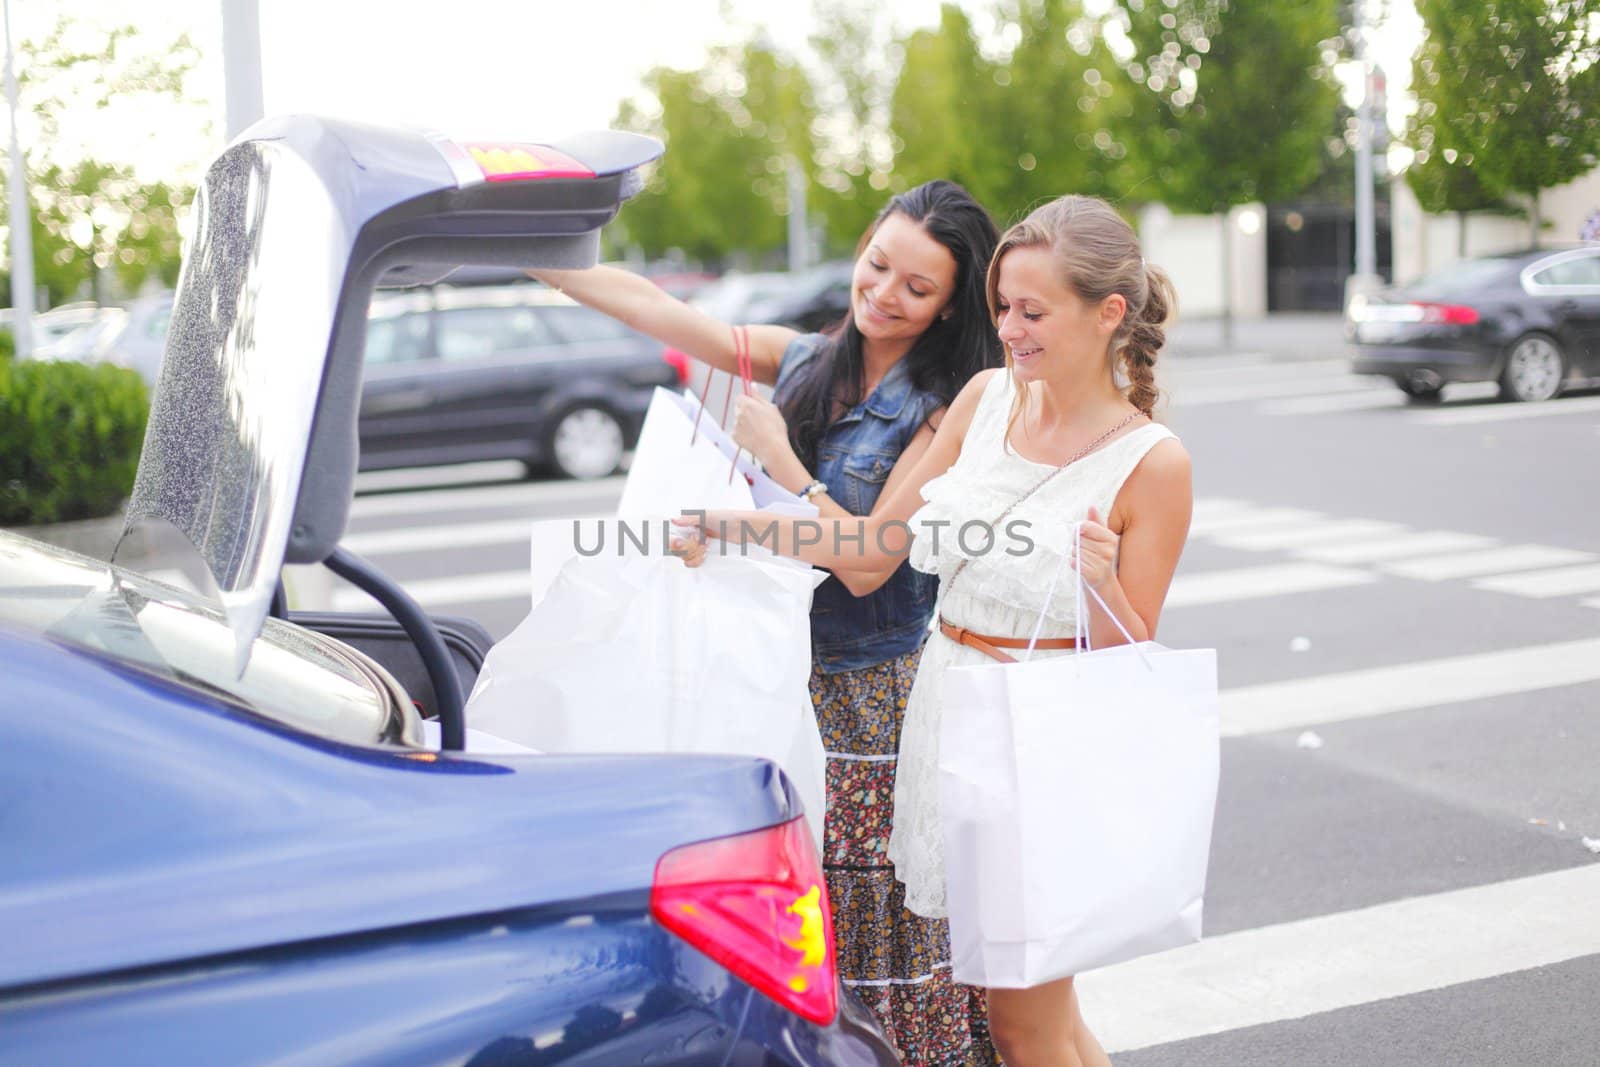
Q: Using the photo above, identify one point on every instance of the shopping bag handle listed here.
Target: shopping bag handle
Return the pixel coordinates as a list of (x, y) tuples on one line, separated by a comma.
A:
[(1080, 617)]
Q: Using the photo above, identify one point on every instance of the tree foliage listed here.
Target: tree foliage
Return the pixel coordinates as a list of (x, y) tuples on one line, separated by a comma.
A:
[(732, 129), (97, 217), (1240, 94), (1508, 99)]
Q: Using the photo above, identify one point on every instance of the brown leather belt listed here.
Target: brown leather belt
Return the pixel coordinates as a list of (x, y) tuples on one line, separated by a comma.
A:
[(990, 646)]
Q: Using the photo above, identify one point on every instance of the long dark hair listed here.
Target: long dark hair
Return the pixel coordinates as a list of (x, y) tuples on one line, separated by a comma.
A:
[(949, 352)]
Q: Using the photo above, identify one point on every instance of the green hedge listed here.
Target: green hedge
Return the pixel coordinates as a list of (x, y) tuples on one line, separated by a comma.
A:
[(70, 436), (8, 344)]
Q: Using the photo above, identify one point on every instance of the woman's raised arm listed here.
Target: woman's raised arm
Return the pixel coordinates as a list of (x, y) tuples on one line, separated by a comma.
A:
[(643, 305)]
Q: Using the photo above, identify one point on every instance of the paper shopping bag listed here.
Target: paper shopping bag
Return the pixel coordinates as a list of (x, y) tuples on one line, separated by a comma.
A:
[(1076, 798)]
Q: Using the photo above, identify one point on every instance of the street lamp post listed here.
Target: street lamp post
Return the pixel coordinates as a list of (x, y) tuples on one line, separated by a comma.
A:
[(1365, 279), (19, 217), (241, 63)]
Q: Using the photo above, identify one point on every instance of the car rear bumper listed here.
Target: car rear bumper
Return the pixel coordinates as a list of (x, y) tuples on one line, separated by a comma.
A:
[(1463, 364)]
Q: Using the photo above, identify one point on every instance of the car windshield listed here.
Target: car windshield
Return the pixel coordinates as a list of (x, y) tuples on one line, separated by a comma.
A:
[(730, 297), (1468, 274)]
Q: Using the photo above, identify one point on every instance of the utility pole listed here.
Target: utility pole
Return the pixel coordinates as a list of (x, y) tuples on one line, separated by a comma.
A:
[(1365, 279), (19, 216), (799, 234), (241, 63)]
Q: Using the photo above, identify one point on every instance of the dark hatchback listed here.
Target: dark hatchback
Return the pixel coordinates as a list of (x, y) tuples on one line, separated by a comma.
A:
[(1527, 320), (460, 374)]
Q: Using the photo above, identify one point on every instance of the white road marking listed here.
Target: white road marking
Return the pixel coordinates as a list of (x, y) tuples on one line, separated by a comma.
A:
[(1361, 694), (1253, 583), (1339, 530), (1492, 561), (1577, 405), (459, 589), (1296, 969), (1565, 581), (1254, 368), (435, 477), (1204, 394), (1321, 405), (1207, 507), (424, 538), (443, 502), (1210, 525), (1400, 546)]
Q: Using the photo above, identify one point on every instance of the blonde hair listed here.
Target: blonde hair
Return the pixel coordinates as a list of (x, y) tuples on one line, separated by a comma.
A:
[(1098, 254)]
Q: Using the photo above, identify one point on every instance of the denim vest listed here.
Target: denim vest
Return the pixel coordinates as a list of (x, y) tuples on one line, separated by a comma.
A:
[(854, 459)]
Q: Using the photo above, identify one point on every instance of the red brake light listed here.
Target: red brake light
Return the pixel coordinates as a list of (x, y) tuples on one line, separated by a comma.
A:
[(757, 904), (678, 361), (523, 162), (1452, 314)]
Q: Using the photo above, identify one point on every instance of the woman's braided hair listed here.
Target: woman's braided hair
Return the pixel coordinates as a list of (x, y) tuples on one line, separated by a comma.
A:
[(1098, 254)]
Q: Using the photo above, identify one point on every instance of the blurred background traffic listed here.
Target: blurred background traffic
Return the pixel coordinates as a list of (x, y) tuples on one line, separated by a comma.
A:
[(1278, 159)]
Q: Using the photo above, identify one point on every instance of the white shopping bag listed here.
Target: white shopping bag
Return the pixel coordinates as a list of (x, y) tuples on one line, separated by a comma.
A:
[(1076, 796), (627, 650)]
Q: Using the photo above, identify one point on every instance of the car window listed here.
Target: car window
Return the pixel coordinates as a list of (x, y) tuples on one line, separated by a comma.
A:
[(575, 325), (401, 339), (474, 333), (1584, 270)]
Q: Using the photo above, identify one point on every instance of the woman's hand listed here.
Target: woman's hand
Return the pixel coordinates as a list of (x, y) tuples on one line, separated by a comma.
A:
[(759, 429), (688, 542), (1097, 551)]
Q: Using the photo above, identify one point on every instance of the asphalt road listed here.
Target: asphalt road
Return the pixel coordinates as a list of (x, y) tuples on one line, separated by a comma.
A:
[(1406, 605)]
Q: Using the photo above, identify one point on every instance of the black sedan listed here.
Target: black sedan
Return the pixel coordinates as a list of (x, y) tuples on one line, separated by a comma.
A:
[(460, 374), (1527, 320)]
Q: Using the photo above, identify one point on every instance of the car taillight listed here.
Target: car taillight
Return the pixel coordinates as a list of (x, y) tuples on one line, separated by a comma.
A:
[(679, 361), (756, 903), (1452, 314), (523, 162)]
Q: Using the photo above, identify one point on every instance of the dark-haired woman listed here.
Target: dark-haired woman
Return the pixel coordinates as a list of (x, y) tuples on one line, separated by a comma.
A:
[(852, 412)]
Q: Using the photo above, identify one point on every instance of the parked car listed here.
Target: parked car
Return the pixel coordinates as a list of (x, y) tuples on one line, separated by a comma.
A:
[(227, 837), (1527, 320), (808, 300), (140, 336), (456, 374)]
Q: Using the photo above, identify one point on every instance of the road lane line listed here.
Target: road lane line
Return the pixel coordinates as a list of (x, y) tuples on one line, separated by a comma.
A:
[(1361, 694), (1253, 583), (1205, 395), (1340, 530), (1292, 970), (1430, 542), (424, 538), (1565, 581), (602, 492), (1226, 522), (1252, 371), (1492, 561), (461, 589), (1578, 405), (1323, 405)]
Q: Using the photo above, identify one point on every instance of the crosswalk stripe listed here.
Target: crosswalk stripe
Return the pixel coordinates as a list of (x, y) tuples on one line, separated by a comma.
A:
[(422, 538), (1564, 581), (1206, 394), (1341, 530), (1253, 583), (461, 589), (1581, 405), (1401, 546), (1295, 969), (1492, 561), (1208, 525), (1207, 507), (1361, 694), (448, 501), (1320, 405), (1254, 368)]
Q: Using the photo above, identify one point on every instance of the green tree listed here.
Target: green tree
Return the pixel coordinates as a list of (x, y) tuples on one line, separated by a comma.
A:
[(1509, 100), (1240, 96), (854, 89), (94, 218), (940, 107), (732, 130)]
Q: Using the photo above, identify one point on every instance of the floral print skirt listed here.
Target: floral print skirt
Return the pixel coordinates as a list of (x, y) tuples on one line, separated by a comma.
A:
[(894, 961)]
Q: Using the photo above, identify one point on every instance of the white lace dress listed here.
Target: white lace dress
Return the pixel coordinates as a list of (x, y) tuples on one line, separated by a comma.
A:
[(997, 593)]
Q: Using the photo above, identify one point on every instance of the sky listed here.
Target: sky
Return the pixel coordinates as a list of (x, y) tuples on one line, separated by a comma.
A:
[(509, 69)]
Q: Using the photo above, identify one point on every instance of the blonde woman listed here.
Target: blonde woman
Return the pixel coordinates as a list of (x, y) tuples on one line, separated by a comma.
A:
[(1061, 435)]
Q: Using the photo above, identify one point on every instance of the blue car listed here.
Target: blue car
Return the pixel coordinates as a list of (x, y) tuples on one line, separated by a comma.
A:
[(224, 838)]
